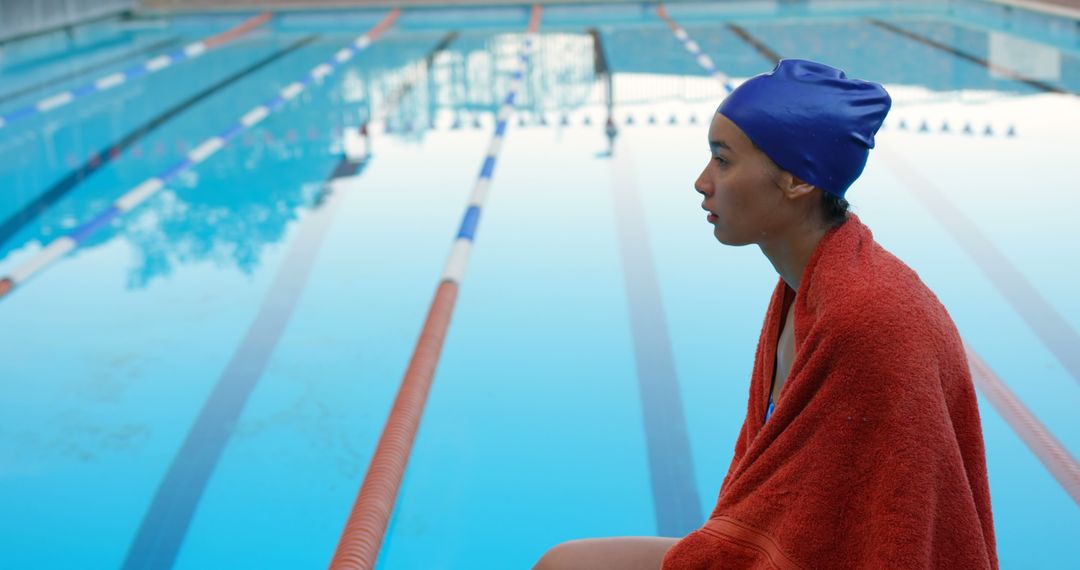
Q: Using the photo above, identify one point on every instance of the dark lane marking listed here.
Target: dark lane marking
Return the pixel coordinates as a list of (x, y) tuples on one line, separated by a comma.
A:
[(755, 43), (667, 442), (989, 66), (165, 525), (600, 62), (50, 196), (1055, 332), (671, 465), (66, 55), (62, 28), (671, 472), (167, 520), (396, 97), (602, 70), (443, 44), (164, 44)]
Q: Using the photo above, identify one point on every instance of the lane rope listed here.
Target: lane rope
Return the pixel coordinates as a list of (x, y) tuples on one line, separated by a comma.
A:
[(14, 223), (365, 528), (695, 50), (153, 65), (207, 148), (87, 70), (1053, 455)]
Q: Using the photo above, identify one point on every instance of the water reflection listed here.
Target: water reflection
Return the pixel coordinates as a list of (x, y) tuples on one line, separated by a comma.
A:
[(185, 227), (229, 210)]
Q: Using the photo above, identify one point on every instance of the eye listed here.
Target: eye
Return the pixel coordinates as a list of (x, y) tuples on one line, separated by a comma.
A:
[(720, 160)]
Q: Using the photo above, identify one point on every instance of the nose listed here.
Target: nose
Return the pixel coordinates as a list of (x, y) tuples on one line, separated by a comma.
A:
[(702, 185)]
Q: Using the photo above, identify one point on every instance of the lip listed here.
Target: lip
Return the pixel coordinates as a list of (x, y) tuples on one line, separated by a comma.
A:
[(711, 218)]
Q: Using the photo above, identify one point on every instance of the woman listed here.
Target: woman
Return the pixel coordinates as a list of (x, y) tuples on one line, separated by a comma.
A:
[(862, 444)]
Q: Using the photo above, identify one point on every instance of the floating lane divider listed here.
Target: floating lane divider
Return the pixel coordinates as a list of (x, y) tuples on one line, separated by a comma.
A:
[(82, 71), (1053, 455), (695, 50), (363, 534), (190, 51), (11, 225), (166, 522), (62, 245)]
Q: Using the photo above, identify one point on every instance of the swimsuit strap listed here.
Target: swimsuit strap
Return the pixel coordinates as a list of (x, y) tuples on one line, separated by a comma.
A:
[(769, 410)]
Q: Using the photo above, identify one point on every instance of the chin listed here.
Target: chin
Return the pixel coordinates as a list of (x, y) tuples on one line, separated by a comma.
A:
[(726, 239)]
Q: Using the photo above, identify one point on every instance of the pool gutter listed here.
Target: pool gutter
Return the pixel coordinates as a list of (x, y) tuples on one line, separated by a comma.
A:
[(1062, 8)]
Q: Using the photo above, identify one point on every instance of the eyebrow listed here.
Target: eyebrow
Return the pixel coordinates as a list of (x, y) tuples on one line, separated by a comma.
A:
[(714, 145)]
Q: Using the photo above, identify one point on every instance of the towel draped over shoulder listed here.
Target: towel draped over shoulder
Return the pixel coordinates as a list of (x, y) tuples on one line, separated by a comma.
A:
[(873, 457)]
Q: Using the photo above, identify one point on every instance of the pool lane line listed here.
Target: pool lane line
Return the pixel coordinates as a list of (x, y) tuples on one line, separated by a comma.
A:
[(190, 51), (168, 518), (758, 45), (395, 98), (18, 220), (671, 466), (1052, 329), (63, 28), (64, 244), (676, 502), (1023, 298), (36, 63), (695, 50), (169, 515), (52, 81), (755, 43), (1053, 455), (986, 64), (602, 70), (365, 528), (774, 57)]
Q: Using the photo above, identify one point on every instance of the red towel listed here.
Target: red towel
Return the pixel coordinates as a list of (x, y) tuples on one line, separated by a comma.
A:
[(873, 457)]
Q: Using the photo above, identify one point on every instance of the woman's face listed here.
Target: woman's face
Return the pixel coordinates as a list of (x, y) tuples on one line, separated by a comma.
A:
[(740, 187)]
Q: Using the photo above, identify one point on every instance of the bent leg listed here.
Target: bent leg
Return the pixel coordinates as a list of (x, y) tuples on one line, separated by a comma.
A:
[(624, 552)]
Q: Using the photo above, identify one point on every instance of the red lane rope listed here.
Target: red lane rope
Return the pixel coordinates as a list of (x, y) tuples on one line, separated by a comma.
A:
[(358, 547), (1039, 440), (233, 33), (384, 25), (662, 12), (363, 534)]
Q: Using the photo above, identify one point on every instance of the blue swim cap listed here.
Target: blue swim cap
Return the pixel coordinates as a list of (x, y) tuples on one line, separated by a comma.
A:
[(811, 120)]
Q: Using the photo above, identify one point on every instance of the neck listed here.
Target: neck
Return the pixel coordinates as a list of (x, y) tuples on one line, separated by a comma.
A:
[(790, 251)]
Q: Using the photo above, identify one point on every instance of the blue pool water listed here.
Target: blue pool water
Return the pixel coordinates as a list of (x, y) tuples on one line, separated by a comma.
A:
[(534, 431)]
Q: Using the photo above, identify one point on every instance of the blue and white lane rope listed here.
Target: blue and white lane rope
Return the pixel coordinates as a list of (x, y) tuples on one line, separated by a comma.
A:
[(695, 50), (365, 529), (190, 51), (62, 245), (459, 252)]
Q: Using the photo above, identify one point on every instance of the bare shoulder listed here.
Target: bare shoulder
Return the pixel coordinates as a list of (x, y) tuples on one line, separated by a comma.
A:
[(624, 552)]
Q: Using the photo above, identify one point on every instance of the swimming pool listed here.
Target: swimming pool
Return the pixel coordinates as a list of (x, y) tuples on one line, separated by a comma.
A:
[(201, 380)]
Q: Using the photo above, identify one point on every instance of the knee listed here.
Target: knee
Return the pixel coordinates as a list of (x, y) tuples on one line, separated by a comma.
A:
[(559, 557)]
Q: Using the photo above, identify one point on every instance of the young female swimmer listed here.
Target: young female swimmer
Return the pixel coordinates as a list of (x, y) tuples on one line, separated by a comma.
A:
[(862, 445)]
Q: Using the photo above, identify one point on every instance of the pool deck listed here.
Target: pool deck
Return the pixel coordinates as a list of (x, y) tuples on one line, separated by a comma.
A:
[(211, 5), (1063, 8)]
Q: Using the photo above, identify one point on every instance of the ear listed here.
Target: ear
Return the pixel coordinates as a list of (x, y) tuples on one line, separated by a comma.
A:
[(794, 187)]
